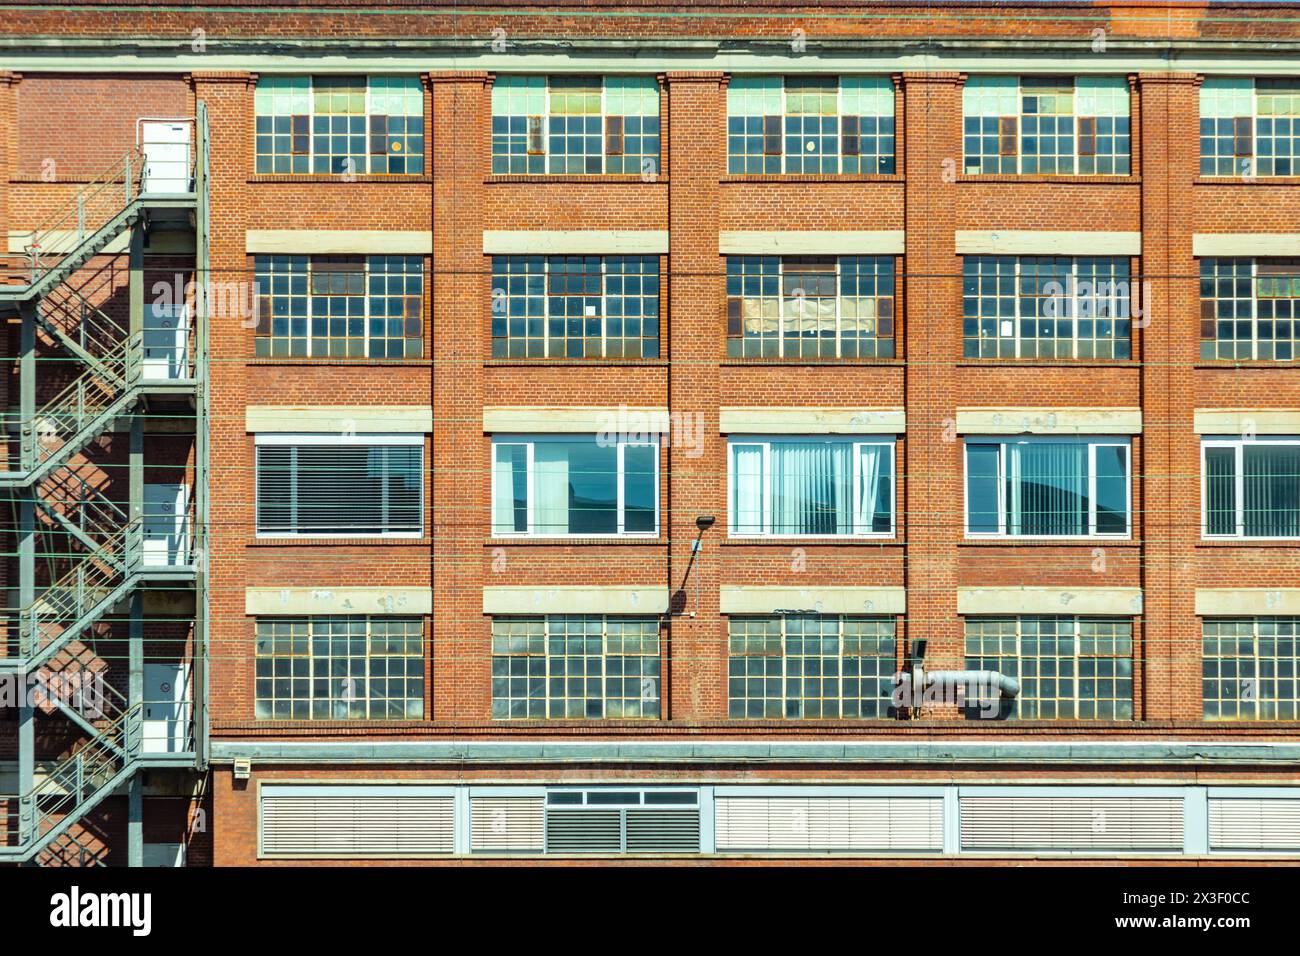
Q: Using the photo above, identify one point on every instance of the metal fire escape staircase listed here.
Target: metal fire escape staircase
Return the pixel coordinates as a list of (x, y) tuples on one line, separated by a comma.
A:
[(98, 565)]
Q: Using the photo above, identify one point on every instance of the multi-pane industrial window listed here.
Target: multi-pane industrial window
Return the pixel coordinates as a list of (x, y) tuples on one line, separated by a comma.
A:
[(574, 485), (1046, 307), (1252, 487), (575, 306), (1250, 309), (339, 306), (811, 486), (339, 124), (1251, 668), (810, 124), (1047, 487), (1070, 668), (339, 668), (810, 666), (340, 485), (575, 124), (1046, 125), (575, 666), (804, 306), (1250, 127)]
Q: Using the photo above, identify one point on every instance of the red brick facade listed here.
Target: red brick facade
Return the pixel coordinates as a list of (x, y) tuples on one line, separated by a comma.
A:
[(81, 116)]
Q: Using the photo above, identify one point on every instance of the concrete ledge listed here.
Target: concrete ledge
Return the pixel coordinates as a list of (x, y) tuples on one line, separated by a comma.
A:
[(1047, 242), (344, 419), (1246, 421), (1122, 602), (812, 242), (577, 419), (1246, 244), (1230, 602), (577, 599), (764, 753), (1049, 421), (746, 599), (305, 242), (646, 242), (323, 600), (812, 421)]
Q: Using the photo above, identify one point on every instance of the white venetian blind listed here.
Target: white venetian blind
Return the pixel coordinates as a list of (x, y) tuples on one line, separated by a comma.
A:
[(356, 824), (829, 823), (1247, 823), (1071, 823), (506, 824)]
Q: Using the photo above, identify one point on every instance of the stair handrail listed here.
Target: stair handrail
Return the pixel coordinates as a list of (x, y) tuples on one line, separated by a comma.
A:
[(63, 788), (124, 171)]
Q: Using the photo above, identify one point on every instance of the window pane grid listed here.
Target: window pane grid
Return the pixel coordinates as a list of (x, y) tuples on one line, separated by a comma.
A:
[(1049, 126), (339, 668), (1250, 309), (824, 125), (1250, 668), (575, 306), (801, 306), (339, 307), (575, 125), (1250, 127), (810, 667), (575, 667), (1069, 668), (1046, 307)]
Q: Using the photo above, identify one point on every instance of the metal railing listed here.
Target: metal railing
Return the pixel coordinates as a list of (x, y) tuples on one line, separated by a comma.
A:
[(94, 204), (63, 418)]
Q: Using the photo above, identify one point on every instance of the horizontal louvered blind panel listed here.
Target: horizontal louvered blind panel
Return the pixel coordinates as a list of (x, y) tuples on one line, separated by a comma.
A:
[(506, 824), (583, 831), (352, 826), (1241, 823), (663, 831), (829, 823), (339, 489), (1071, 823)]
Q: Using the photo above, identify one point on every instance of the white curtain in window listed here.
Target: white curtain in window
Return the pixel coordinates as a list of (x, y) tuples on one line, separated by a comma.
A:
[(551, 488), (503, 499), (747, 489), (871, 459)]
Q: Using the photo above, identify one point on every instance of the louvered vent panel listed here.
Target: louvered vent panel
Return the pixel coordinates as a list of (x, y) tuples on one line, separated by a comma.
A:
[(663, 831), (829, 824), (356, 826), (583, 831), (1242, 823), (1071, 823), (506, 824)]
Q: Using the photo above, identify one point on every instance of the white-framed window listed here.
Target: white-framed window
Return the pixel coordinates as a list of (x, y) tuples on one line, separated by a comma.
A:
[(1250, 488), (810, 486), (574, 485), (1048, 487), (340, 486)]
